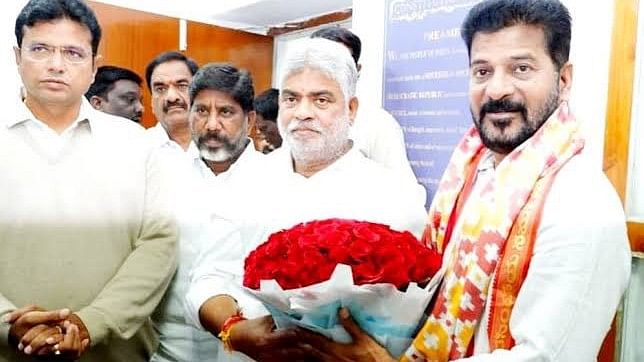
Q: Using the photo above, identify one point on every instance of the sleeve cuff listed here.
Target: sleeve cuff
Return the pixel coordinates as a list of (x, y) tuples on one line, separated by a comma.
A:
[(95, 323), (4, 333), (202, 290)]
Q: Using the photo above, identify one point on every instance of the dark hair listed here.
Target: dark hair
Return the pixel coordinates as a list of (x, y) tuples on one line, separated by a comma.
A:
[(550, 15), (37, 11), (168, 57), (341, 35), (267, 104), (105, 78), (224, 78)]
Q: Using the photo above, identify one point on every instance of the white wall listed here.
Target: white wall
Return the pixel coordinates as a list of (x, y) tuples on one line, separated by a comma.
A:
[(590, 55)]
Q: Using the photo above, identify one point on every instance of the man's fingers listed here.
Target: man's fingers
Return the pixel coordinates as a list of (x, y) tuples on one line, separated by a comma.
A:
[(43, 317), (350, 325), (13, 316), (43, 340), (27, 338)]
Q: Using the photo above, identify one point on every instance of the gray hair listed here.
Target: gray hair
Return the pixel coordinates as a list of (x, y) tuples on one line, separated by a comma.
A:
[(331, 58)]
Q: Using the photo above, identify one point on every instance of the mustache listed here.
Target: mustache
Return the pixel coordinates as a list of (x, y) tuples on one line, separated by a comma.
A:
[(310, 125), (216, 137), (502, 105), (168, 105)]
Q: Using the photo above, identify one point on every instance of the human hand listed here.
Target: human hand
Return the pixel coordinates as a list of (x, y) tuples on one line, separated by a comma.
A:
[(258, 339), (24, 319), (362, 349), (75, 342)]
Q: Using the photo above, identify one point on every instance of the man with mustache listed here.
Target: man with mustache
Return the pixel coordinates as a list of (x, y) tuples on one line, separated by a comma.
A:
[(316, 174), (220, 181), (117, 91), (168, 76), (531, 272)]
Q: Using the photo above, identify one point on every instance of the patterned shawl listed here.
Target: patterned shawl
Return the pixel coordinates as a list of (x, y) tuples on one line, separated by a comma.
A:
[(487, 222)]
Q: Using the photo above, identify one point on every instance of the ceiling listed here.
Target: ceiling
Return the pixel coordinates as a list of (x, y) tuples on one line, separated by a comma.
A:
[(256, 16)]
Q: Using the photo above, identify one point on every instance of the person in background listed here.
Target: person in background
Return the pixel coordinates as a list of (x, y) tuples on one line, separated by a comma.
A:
[(531, 272), (168, 77), (267, 137), (117, 91), (375, 132), (87, 242)]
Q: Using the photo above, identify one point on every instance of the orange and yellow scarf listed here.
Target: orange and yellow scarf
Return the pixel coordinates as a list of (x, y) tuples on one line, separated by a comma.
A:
[(519, 186)]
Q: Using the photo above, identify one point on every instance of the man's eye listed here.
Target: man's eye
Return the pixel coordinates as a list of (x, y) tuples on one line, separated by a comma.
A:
[(73, 54), (480, 73), (522, 68), (38, 48), (289, 101)]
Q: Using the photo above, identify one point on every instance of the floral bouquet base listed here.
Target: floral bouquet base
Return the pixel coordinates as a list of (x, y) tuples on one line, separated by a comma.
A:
[(387, 314)]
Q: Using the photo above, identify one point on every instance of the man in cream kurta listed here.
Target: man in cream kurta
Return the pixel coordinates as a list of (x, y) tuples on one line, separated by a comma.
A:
[(85, 232), (84, 226)]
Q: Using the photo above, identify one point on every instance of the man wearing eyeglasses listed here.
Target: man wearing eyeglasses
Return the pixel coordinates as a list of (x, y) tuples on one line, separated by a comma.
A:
[(87, 246)]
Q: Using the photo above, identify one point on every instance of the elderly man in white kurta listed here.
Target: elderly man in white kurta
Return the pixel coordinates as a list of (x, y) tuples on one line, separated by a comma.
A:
[(318, 174)]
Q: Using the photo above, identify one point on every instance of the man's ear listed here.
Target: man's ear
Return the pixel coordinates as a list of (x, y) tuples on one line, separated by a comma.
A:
[(96, 60), (16, 53), (565, 82), (251, 118), (353, 109), (96, 102)]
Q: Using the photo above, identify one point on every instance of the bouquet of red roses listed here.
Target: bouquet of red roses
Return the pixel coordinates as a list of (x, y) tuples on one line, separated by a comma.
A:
[(304, 274)]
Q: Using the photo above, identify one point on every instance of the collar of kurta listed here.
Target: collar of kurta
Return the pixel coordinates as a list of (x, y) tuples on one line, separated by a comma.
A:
[(24, 114)]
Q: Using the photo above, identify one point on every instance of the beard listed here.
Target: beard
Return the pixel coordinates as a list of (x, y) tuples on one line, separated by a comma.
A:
[(327, 146), (229, 149), (530, 122)]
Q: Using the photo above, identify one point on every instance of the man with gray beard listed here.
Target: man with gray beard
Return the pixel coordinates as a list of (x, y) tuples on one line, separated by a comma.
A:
[(215, 194), (316, 174)]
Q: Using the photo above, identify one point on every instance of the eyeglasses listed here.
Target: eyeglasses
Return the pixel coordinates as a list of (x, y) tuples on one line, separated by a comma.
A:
[(44, 52)]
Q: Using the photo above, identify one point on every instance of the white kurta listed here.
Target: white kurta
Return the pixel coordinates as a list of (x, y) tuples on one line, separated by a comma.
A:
[(199, 196), (353, 187), (378, 135), (578, 273)]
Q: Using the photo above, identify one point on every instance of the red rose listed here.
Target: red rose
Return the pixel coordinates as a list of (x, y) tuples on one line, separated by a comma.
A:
[(308, 253)]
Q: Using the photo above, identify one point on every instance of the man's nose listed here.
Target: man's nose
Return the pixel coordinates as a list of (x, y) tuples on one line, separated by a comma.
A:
[(499, 86), (56, 63), (304, 110)]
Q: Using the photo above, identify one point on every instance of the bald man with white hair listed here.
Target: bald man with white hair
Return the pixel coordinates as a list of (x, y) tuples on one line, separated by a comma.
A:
[(317, 174)]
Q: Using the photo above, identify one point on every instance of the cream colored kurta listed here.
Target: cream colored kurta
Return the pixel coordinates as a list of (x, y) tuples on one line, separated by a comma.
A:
[(84, 225)]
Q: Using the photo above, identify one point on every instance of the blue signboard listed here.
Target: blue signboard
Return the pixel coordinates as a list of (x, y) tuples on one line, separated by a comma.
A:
[(426, 70)]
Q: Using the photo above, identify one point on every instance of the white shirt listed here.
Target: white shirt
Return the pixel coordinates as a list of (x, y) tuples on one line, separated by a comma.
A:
[(378, 135), (353, 187), (578, 272), (205, 204)]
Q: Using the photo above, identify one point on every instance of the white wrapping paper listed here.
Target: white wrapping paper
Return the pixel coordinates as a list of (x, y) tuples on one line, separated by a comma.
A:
[(390, 316)]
